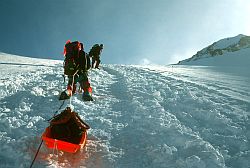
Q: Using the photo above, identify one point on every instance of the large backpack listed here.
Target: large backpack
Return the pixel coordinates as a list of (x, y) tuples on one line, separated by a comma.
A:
[(71, 51), (95, 50), (84, 61)]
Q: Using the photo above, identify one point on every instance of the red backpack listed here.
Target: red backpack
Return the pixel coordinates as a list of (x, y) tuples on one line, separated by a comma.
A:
[(71, 53)]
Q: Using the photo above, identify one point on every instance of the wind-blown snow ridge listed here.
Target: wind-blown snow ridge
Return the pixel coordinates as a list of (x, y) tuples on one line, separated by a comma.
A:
[(142, 116)]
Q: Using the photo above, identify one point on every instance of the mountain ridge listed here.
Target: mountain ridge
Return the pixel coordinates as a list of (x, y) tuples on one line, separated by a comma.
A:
[(233, 50)]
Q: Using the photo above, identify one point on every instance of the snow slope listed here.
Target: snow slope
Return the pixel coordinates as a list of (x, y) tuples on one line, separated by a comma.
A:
[(142, 116), (233, 51)]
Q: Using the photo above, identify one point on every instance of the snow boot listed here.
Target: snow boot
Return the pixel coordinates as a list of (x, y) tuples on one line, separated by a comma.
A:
[(65, 95), (87, 94)]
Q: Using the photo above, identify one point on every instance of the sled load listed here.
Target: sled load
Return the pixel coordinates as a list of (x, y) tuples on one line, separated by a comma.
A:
[(66, 132)]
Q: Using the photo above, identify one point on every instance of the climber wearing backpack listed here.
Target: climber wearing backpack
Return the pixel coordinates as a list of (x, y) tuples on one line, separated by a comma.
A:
[(76, 66), (95, 53)]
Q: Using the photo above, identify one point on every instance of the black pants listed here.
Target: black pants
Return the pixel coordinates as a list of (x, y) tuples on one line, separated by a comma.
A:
[(82, 79), (95, 61)]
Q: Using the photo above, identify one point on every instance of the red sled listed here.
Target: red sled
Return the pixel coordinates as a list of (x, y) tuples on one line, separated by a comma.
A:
[(67, 132), (63, 145)]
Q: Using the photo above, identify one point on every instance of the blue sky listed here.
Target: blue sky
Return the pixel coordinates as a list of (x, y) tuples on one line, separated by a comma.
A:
[(132, 31)]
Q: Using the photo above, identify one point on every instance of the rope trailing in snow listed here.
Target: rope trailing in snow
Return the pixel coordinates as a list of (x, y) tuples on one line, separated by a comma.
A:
[(36, 154)]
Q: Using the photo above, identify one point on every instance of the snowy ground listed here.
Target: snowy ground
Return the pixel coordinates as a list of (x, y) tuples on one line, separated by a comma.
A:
[(142, 116)]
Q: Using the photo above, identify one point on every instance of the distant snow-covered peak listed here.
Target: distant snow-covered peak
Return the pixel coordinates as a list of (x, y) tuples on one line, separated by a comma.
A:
[(224, 43), (235, 50)]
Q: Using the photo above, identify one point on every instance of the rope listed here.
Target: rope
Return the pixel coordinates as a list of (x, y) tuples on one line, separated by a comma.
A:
[(64, 100), (36, 154), (72, 86)]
